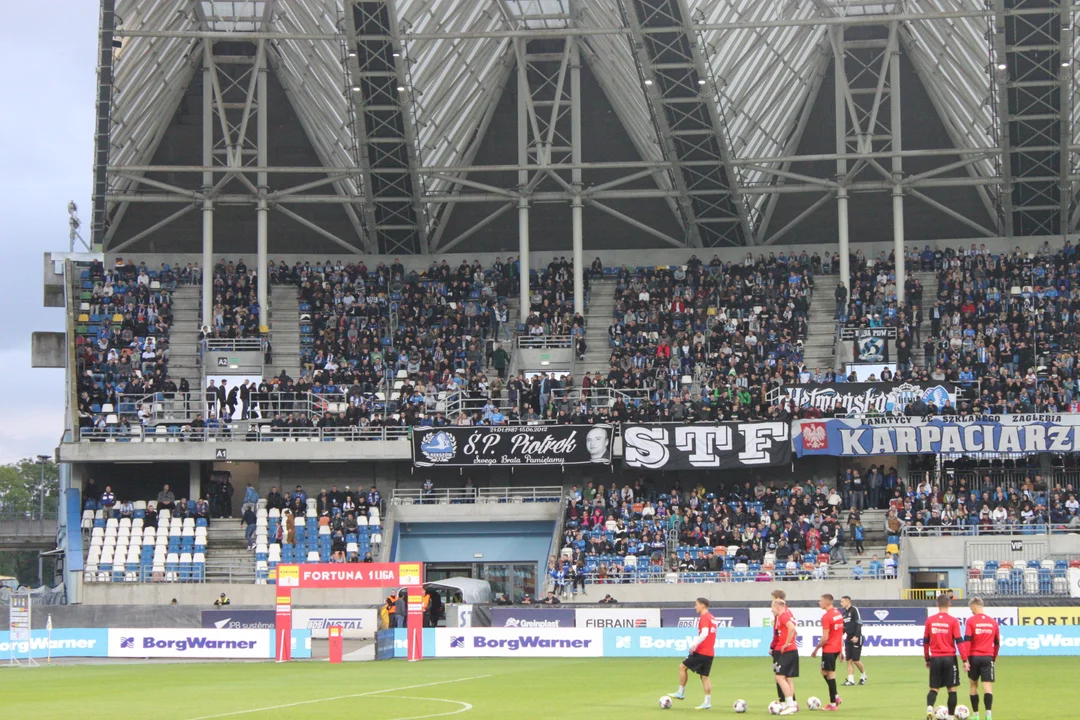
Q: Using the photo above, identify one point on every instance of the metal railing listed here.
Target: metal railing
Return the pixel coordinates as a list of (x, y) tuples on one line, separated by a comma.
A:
[(243, 344), (648, 576), (1014, 529), (253, 433), (212, 571), (453, 496), (543, 342)]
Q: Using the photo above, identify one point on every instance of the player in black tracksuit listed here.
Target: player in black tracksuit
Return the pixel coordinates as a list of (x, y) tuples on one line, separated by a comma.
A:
[(852, 640)]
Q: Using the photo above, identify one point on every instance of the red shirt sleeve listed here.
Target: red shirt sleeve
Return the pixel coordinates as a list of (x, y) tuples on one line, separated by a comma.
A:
[(926, 639), (958, 637)]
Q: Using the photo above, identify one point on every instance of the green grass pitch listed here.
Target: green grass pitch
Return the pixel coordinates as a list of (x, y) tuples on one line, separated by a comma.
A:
[(593, 688)]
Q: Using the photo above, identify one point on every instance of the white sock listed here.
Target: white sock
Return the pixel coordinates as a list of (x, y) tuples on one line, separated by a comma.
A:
[(682, 689), (851, 678), (864, 675), (790, 701), (708, 699)]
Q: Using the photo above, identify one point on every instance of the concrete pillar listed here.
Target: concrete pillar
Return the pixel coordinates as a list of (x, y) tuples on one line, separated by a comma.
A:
[(523, 181), (841, 165), (897, 166), (207, 184), (194, 481), (575, 176), (262, 208)]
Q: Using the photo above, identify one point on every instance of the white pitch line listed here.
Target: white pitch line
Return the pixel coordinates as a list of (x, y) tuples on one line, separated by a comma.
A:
[(339, 697), (465, 707)]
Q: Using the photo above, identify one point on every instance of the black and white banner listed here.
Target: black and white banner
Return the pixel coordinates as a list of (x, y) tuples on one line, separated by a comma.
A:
[(512, 445), (670, 446), (862, 398)]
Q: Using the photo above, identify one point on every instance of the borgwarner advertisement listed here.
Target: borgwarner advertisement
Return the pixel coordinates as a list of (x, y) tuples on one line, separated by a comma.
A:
[(512, 445)]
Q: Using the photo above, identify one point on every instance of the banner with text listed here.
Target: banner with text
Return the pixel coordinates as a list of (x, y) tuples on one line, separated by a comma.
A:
[(522, 617), (908, 436), (723, 446), (675, 642), (62, 642), (201, 643), (508, 642), (512, 445), (618, 618), (687, 618), (238, 619), (863, 398), (354, 622)]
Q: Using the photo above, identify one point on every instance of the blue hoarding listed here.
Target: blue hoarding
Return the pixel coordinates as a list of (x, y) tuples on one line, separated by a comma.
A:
[(687, 618), (65, 642), (1021, 640), (893, 616), (675, 642)]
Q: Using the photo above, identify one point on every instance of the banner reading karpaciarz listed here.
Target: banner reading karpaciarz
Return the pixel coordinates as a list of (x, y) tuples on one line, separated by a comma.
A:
[(512, 445), (727, 445)]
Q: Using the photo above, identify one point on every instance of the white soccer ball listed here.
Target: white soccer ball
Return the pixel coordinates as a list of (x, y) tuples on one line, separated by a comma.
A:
[(775, 707), (739, 706), (665, 702), (813, 703), (941, 713), (962, 712)]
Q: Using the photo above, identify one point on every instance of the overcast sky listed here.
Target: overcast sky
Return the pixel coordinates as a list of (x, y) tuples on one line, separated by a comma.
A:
[(47, 125)]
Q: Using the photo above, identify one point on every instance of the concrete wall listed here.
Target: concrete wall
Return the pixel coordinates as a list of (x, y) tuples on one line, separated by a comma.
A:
[(750, 593), (948, 552), (203, 595), (48, 350), (501, 512)]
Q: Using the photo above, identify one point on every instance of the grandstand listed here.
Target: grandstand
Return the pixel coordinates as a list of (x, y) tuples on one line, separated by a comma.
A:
[(808, 269)]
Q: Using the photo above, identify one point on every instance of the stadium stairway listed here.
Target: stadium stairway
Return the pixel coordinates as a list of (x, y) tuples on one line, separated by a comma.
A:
[(930, 284), (285, 332), (597, 322), (227, 557), (184, 337), (819, 349)]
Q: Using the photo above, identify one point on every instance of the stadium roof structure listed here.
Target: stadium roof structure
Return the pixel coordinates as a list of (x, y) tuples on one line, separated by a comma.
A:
[(418, 126)]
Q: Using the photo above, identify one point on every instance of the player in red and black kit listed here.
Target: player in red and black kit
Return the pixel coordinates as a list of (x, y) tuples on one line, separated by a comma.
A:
[(700, 659), (941, 639), (785, 654), (983, 639), (831, 646)]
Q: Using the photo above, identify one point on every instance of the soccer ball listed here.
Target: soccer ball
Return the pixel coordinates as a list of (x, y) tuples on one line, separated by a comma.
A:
[(813, 703), (665, 702), (941, 713), (775, 707), (739, 706), (962, 712)]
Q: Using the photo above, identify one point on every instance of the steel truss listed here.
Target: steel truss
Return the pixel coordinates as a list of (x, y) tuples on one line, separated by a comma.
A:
[(396, 97)]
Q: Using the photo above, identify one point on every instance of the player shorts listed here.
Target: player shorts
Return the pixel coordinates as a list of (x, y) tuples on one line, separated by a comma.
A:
[(944, 672), (982, 668), (698, 663), (786, 664), (853, 651), (828, 661)]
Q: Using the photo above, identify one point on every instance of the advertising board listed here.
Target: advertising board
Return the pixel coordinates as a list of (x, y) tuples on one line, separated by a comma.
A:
[(619, 618), (201, 643), (355, 622), (1048, 615), (532, 618), (65, 642), (509, 642), (675, 642), (238, 619), (687, 618)]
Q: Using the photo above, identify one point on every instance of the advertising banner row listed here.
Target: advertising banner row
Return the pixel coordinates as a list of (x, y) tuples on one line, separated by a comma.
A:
[(354, 622), (736, 445), (548, 618), (152, 643), (883, 640)]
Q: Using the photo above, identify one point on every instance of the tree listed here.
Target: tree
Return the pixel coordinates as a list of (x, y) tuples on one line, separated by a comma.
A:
[(20, 487)]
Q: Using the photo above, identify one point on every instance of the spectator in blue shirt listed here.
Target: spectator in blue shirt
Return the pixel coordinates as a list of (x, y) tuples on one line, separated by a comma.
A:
[(374, 498), (108, 499), (251, 499), (858, 571), (877, 569)]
